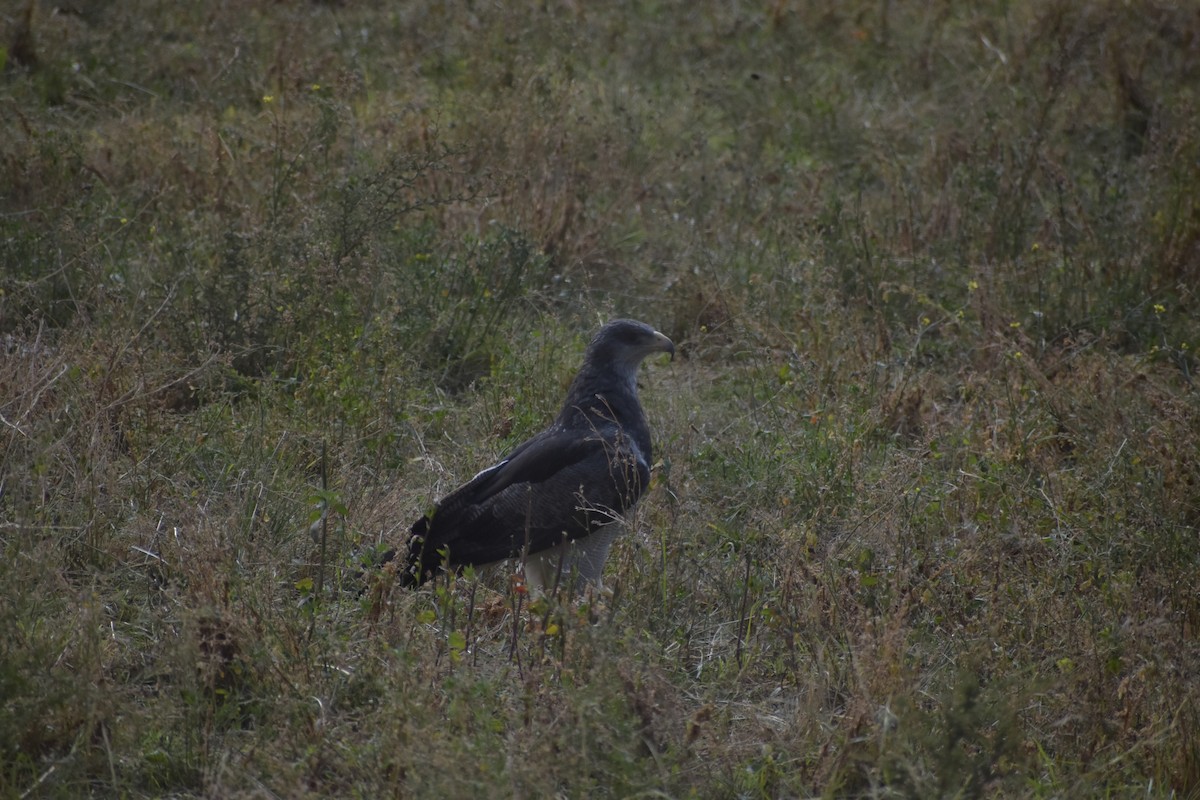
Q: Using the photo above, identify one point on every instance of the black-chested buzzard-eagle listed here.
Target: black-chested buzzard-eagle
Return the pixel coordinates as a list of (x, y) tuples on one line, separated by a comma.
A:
[(554, 499)]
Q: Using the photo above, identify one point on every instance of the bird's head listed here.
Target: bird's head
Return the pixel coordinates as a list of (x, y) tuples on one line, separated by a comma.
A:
[(625, 343)]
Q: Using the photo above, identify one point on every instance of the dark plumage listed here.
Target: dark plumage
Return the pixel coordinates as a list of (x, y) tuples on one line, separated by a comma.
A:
[(552, 497)]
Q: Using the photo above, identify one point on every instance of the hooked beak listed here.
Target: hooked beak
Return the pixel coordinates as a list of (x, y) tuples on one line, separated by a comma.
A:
[(665, 344)]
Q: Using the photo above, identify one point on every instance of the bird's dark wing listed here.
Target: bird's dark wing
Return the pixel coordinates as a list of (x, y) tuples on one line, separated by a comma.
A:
[(561, 483)]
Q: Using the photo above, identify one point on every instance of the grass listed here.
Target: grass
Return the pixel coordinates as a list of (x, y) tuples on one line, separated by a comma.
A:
[(925, 518)]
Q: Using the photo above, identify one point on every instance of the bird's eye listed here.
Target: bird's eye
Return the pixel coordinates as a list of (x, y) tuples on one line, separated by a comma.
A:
[(632, 335)]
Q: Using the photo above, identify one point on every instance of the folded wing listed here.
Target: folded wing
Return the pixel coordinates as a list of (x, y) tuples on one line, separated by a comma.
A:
[(558, 486)]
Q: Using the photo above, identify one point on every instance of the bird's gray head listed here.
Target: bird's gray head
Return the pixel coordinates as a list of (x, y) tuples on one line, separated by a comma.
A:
[(623, 343)]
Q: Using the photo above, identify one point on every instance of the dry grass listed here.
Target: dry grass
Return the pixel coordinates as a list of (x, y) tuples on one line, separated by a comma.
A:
[(926, 518)]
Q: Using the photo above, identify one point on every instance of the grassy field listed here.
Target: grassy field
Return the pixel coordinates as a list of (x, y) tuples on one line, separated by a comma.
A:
[(925, 516)]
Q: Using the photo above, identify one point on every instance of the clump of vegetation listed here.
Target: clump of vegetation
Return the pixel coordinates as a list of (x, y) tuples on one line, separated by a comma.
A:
[(925, 516)]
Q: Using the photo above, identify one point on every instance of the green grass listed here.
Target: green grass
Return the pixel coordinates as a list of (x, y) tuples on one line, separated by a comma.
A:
[(925, 519)]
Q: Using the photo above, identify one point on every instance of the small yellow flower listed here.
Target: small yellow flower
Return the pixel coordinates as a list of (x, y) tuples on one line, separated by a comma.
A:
[(972, 285), (1036, 246), (316, 87), (925, 321), (124, 221), (1014, 324), (1018, 354), (268, 98), (1159, 308)]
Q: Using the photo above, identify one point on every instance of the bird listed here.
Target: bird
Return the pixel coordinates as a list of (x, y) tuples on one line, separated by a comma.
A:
[(555, 501)]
